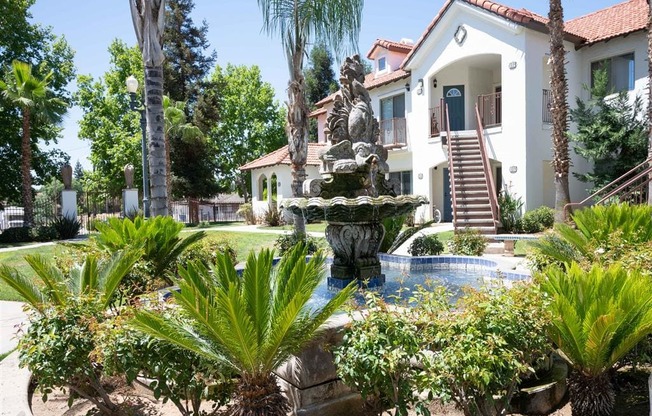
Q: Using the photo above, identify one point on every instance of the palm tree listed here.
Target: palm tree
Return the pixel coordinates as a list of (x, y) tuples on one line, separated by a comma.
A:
[(92, 277), (175, 124), (149, 19), (559, 110), (300, 22), (598, 316), (252, 323), (30, 94)]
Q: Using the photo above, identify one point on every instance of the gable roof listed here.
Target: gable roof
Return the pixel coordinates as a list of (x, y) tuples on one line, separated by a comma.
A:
[(390, 45), (618, 20), (282, 157)]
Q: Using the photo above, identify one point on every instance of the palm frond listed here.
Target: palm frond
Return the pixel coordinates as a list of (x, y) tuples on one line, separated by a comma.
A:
[(51, 276), (113, 271), (24, 286)]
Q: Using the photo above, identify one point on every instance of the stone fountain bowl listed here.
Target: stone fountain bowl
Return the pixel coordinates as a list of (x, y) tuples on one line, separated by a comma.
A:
[(352, 210)]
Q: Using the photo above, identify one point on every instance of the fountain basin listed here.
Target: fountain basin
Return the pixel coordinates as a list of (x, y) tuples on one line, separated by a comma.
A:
[(363, 209)]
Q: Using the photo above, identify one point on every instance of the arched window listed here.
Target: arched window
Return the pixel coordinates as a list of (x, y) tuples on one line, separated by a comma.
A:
[(262, 188)]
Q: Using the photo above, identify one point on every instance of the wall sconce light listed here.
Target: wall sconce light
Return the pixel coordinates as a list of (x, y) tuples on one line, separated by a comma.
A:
[(420, 86), (420, 176), (434, 83), (512, 65), (407, 86), (513, 169)]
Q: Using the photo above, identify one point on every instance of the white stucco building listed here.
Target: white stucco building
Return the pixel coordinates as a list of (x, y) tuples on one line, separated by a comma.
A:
[(480, 53)]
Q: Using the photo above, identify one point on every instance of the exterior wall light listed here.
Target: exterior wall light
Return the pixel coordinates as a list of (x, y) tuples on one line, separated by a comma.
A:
[(420, 176), (512, 65), (420, 86), (407, 86), (434, 83), (513, 169)]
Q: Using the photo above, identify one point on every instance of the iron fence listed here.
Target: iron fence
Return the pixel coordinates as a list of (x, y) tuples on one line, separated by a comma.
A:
[(194, 211), (93, 207)]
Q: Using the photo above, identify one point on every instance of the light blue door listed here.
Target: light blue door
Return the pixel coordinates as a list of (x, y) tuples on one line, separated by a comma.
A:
[(454, 99)]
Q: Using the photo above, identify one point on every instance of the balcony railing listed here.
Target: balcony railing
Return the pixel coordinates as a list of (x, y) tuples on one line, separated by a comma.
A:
[(546, 117), (490, 108), (393, 132), (436, 116)]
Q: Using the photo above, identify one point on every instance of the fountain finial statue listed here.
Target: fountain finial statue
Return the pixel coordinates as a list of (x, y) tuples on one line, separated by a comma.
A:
[(353, 196)]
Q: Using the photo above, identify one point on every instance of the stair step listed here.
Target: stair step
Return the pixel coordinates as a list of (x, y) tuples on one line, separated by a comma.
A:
[(466, 162), (468, 207)]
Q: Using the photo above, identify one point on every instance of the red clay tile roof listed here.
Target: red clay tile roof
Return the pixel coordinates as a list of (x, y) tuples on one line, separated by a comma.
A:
[(282, 157), (317, 112), (618, 20), (371, 81), (390, 45), (326, 100)]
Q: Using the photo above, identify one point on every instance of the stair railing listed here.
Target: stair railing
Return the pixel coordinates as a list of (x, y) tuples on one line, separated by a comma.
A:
[(451, 167), (630, 186), (488, 172)]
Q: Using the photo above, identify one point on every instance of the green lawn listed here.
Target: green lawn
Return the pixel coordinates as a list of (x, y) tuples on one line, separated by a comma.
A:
[(318, 227), (243, 243)]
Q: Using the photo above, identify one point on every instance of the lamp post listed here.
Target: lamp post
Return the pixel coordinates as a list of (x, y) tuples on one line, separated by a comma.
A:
[(136, 105)]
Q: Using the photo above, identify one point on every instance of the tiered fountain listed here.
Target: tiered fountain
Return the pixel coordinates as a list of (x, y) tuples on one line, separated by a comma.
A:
[(353, 196)]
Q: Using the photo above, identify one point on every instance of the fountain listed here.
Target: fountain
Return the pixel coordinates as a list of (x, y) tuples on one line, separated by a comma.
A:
[(353, 195)]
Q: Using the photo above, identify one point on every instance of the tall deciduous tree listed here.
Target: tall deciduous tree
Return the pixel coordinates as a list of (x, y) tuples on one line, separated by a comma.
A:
[(36, 45), (559, 87), (250, 122), (149, 18), (299, 22), (185, 46), (30, 94), (108, 123)]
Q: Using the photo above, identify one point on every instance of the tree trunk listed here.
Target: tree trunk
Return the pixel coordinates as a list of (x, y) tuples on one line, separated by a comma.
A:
[(156, 133), (591, 396), (649, 95), (168, 176), (257, 396), (559, 87), (297, 131), (26, 170)]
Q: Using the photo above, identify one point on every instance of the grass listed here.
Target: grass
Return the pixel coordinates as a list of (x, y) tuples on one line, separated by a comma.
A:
[(318, 227), (6, 354), (243, 243)]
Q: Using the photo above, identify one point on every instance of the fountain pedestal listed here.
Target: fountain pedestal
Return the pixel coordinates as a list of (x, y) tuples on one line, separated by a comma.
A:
[(355, 249)]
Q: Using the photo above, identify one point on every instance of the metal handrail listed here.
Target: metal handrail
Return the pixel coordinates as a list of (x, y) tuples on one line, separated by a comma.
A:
[(488, 173), (490, 108), (435, 120), (451, 168), (396, 127), (645, 172)]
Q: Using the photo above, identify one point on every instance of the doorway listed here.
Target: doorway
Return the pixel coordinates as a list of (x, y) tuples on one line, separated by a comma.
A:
[(454, 99)]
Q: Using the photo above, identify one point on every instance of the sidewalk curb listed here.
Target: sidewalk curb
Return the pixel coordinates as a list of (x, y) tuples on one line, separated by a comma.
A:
[(14, 385)]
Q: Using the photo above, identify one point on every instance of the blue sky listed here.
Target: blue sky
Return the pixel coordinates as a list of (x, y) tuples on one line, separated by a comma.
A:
[(235, 33)]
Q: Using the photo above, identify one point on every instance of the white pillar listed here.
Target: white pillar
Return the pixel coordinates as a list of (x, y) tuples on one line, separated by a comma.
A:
[(69, 204), (129, 202)]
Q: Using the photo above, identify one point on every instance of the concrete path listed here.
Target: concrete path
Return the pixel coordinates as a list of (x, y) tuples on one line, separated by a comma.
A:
[(12, 317)]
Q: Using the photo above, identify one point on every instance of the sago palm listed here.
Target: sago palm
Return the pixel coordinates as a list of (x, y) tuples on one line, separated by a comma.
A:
[(30, 94), (299, 23), (92, 278), (597, 317), (251, 323)]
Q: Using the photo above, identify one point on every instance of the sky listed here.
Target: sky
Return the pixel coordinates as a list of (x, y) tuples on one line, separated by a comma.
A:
[(235, 32)]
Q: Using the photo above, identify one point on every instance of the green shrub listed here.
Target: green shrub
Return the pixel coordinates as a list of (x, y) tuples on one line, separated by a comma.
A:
[(272, 217), (15, 235), (203, 224), (175, 374), (42, 233), (538, 220), (468, 242), (286, 242), (66, 228), (426, 245), (247, 212), (393, 226), (374, 357), (406, 234), (158, 238), (58, 348), (538, 258), (477, 354), (206, 251), (510, 211)]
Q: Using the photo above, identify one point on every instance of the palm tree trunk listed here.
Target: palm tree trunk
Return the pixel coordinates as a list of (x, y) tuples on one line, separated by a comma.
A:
[(591, 396), (156, 131), (559, 87), (259, 396), (649, 92), (297, 131), (26, 170)]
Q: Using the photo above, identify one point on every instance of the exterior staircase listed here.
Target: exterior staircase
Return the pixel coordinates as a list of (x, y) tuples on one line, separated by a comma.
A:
[(472, 204)]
